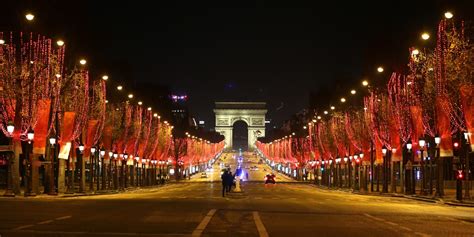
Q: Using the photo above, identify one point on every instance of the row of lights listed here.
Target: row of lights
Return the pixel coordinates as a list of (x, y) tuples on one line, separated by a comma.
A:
[(30, 17), (365, 83)]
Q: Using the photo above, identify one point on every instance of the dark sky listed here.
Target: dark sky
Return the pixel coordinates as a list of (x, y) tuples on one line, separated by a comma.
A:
[(273, 51)]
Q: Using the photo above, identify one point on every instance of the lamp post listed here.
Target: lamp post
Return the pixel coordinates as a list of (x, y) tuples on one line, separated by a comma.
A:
[(115, 170), (81, 168), (422, 143), (345, 172), (411, 181), (384, 170), (109, 173), (28, 180), (11, 157), (467, 138), (52, 175), (124, 171), (138, 173), (91, 169), (101, 168), (440, 169)]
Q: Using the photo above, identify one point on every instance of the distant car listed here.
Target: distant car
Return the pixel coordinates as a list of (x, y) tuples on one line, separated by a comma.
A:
[(203, 175), (270, 179)]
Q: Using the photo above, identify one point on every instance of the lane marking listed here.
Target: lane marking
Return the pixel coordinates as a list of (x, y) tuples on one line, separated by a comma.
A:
[(373, 217), (44, 222), (200, 228), (23, 227), (63, 218), (391, 223), (405, 228), (262, 232), (422, 234)]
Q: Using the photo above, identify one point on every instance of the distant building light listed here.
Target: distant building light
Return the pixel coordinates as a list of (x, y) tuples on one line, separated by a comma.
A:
[(267, 121), (201, 122)]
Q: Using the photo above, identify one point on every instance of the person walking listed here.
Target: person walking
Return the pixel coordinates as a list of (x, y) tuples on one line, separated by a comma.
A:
[(224, 178), (230, 181)]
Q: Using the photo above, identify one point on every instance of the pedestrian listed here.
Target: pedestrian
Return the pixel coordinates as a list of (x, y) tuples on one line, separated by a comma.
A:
[(230, 181), (224, 178)]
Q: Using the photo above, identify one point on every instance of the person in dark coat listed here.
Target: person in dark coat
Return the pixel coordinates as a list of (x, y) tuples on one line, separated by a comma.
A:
[(230, 181), (224, 178)]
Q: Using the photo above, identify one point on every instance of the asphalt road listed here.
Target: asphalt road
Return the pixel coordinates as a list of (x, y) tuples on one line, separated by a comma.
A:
[(197, 209)]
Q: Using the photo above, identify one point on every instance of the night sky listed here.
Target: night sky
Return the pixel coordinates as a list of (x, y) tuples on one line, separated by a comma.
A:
[(273, 51)]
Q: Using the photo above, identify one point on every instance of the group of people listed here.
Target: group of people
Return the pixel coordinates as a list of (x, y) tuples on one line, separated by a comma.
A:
[(227, 181)]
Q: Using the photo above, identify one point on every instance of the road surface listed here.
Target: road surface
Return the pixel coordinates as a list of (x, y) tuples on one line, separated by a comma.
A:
[(197, 209)]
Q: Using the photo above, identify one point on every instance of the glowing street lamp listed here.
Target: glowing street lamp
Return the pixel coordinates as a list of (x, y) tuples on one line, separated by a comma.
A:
[(333, 108), (353, 92), (384, 150), (119, 88), (60, 43), (93, 149), (105, 77), (82, 62), (10, 127), (81, 147), (149, 108), (2, 41), (437, 139), (425, 36), (343, 99), (415, 52), (130, 96), (30, 134), (102, 152), (30, 16), (422, 143), (140, 103), (326, 112), (409, 145), (365, 83), (380, 69), (448, 15), (52, 141)]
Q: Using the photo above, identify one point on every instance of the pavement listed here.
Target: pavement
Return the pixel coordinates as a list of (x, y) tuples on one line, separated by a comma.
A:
[(197, 209)]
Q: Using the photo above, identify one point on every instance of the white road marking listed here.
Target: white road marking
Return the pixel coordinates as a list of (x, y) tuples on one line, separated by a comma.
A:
[(422, 234), (262, 232), (373, 217), (405, 228), (391, 223), (200, 228), (23, 227), (44, 222), (63, 218)]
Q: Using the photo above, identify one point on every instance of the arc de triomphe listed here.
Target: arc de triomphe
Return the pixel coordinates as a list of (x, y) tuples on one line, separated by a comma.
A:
[(252, 113)]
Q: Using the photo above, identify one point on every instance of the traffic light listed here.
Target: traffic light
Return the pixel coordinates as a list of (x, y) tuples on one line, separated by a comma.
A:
[(460, 175)]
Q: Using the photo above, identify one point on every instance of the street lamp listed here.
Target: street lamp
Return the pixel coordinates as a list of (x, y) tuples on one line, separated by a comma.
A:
[(81, 147), (60, 43), (422, 144), (353, 92), (30, 16), (365, 83), (409, 145), (130, 96), (10, 127), (448, 15), (82, 62), (30, 135), (343, 100), (425, 36), (380, 69), (119, 87), (384, 150)]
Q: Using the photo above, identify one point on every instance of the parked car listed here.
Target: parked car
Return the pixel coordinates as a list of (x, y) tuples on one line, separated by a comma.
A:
[(203, 175)]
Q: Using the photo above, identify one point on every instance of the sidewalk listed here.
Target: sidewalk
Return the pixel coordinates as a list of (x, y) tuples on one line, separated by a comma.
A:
[(448, 199), (77, 194)]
